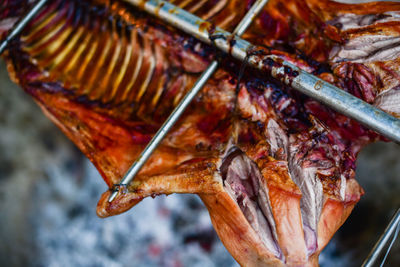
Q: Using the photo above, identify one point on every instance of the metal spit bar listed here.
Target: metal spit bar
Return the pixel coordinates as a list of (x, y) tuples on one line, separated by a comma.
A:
[(308, 84), (184, 103), (391, 229), (17, 29)]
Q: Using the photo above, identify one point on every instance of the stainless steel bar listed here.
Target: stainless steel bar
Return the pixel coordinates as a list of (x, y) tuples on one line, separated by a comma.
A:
[(21, 24), (249, 17), (306, 83), (384, 238), (167, 125), (178, 111), (339, 100)]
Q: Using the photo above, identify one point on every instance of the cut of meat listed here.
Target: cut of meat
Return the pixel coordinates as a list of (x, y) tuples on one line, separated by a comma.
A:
[(275, 168)]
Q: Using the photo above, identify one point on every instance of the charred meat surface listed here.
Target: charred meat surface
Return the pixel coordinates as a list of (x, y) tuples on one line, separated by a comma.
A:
[(274, 168)]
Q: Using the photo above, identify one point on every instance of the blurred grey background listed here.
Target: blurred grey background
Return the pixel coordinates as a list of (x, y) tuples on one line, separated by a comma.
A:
[(49, 192)]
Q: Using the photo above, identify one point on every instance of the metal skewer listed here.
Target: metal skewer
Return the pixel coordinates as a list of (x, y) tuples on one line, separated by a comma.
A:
[(304, 82), (21, 24), (383, 240), (181, 107)]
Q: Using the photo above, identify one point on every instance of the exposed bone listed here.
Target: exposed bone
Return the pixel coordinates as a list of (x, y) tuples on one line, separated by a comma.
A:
[(243, 184), (354, 21), (312, 197), (389, 101)]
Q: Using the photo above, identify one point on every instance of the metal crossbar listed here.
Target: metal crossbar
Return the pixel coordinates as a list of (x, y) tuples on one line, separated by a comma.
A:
[(17, 29), (392, 229), (304, 82), (184, 103)]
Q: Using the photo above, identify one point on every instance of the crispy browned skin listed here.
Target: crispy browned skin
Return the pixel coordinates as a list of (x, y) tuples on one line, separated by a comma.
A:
[(274, 168)]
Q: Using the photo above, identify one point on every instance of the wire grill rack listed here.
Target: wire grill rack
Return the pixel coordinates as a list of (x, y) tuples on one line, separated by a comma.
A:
[(302, 81)]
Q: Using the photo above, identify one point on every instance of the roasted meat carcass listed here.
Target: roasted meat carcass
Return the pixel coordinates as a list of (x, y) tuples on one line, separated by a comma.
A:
[(274, 167)]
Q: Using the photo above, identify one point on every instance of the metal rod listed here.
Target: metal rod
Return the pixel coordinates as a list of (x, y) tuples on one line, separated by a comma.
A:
[(162, 132), (249, 17), (178, 111), (384, 238), (306, 83), (17, 29)]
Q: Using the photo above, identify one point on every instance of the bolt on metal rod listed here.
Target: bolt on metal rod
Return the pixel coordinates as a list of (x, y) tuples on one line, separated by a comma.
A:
[(384, 238), (184, 103), (17, 29), (306, 83)]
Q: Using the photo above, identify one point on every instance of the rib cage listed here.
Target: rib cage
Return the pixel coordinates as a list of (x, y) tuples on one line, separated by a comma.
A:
[(106, 55), (207, 9), (106, 60)]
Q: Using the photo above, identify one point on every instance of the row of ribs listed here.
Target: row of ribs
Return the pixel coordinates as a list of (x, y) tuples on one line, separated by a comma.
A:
[(275, 168)]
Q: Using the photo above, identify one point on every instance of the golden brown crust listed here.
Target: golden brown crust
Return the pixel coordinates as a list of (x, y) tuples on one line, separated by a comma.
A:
[(189, 178), (285, 202), (236, 233), (287, 215), (334, 214)]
